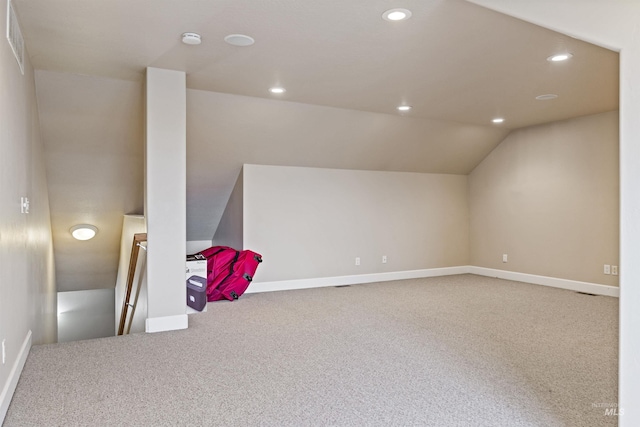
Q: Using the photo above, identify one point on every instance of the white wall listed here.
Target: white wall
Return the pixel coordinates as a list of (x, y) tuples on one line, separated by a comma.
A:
[(195, 246), (165, 198), (548, 197), (27, 277), (230, 229), (84, 315), (313, 223), (614, 24)]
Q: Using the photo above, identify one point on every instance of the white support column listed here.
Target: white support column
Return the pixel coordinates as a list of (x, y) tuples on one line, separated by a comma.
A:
[(629, 350), (165, 199)]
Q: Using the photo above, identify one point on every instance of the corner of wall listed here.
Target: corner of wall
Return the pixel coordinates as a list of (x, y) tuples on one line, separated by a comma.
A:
[(10, 386), (544, 195), (230, 230)]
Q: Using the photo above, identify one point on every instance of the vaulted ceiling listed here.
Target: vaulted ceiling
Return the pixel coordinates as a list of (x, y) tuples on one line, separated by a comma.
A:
[(345, 71)]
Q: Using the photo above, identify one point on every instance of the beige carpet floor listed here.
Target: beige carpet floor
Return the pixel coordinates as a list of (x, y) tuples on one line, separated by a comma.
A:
[(449, 351)]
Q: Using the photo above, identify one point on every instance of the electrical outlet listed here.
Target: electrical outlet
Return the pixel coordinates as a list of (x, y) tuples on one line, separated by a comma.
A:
[(614, 270), (4, 352), (505, 257), (384, 259), (357, 260), (607, 269)]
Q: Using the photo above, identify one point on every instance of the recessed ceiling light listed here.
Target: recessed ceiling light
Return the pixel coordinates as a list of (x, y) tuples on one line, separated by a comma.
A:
[(498, 120), (191, 38), (396, 15), (404, 107), (277, 90), (83, 231), (559, 57), (546, 97), (239, 40)]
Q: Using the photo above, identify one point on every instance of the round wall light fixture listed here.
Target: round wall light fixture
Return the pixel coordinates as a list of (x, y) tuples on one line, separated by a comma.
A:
[(404, 108), (277, 90), (83, 231), (498, 120)]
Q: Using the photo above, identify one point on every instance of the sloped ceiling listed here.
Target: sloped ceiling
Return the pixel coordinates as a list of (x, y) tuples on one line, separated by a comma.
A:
[(92, 128), (225, 131), (345, 70)]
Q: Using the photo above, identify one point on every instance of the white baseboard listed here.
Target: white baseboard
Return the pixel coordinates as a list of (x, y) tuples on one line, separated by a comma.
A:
[(167, 323), (286, 285), (12, 382), (590, 288), (574, 285)]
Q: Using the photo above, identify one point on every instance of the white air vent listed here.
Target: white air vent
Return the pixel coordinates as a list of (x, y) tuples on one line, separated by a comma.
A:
[(14, 35)]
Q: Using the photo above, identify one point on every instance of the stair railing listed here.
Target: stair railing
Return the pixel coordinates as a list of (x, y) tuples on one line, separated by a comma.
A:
[(138, 239)]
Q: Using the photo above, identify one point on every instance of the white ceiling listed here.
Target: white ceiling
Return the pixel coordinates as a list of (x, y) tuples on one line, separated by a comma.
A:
[(452, 60), (345, 70)]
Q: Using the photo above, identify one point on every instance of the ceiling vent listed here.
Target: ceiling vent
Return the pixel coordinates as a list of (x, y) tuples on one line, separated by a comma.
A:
[(14, 35)]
